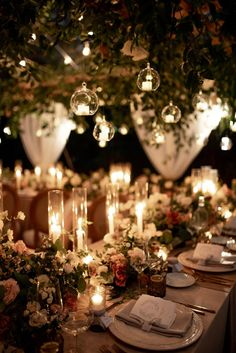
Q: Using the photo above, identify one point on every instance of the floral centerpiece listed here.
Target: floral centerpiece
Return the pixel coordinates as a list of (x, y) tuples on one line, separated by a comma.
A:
[(29, 311), (114, 264)]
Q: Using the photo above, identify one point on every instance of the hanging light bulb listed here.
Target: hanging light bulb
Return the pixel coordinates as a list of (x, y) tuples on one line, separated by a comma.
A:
[(148, 79), (158, 135), (200, 101), (226, 143), (232, 126), (86, 50), (103, 131), (123, 130), (171, 114), (84, 101), (102, 144)]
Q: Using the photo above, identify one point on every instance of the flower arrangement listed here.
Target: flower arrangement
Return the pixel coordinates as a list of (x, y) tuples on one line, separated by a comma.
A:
[(114, 264), (33, 285)]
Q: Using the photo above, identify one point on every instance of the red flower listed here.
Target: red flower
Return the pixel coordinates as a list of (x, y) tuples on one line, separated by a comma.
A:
[(173, 217), (120, 275)]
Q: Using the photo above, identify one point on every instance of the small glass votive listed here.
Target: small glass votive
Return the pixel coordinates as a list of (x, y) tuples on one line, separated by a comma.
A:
[(157, 285), (98, 300)]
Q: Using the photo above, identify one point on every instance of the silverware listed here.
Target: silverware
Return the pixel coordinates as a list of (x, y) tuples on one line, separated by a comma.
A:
[(195, 307), (105, 349)]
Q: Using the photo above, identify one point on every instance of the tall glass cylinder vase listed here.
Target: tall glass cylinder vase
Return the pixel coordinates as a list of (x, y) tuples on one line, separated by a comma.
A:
[(112, 206), (56, 215), (1, 196), (80, 229), (141, 195)]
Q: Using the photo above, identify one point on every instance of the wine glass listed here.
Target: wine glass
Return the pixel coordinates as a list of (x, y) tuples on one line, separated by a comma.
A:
[(139, 261), (78, 320)]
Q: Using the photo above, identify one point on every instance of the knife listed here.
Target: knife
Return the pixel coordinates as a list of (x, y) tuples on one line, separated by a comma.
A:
[(196, 307)]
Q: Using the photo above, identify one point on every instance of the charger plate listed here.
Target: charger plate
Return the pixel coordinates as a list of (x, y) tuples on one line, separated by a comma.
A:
[(185, 259), (155, 341)]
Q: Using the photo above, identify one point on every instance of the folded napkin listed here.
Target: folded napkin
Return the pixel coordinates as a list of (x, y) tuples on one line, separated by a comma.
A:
[(206, 253), (156, 317)]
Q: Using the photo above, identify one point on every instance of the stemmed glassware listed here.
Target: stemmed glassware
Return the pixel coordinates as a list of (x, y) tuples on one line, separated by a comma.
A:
[(139, 261), (78, 320)]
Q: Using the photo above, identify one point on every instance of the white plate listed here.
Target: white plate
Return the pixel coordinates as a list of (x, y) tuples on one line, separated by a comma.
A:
[(185, 259), (179, 280), (154, 341)]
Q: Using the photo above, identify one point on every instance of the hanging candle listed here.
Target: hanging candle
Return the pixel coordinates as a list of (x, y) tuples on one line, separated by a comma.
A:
[(158, 135), (171, 114), (200, 101), (226, 143), (84, 101), (148, 79), (103, 131)]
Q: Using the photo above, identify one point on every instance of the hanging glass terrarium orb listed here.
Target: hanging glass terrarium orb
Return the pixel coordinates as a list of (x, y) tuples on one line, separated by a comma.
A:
[(171, 114), (148, 79), (200, 101), (84, 102), (103, 131)]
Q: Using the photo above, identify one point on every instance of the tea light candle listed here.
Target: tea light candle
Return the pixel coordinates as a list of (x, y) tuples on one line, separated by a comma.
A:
[(55, 229), (169, 118), (104, 134), (83, 109), (162, 253), (98, 299), (147, 86), (52, 173)]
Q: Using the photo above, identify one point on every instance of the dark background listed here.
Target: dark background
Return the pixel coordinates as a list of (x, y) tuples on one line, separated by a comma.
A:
[(82, 154)]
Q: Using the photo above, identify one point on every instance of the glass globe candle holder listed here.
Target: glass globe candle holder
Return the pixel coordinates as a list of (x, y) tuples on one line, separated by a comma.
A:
[(171, 114), (148, 79), (103, 131), (200, 101), (84, 102)]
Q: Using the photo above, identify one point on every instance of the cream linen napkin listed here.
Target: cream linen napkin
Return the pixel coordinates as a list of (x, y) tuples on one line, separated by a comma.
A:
[(207, 252), (177, 322)]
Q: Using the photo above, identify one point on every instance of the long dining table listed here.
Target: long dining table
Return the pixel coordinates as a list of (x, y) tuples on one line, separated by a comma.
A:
[(219, 327)]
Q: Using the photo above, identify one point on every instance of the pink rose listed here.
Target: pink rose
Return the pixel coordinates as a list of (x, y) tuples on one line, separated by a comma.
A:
[(120, 275), (11, 290), (20, 247)]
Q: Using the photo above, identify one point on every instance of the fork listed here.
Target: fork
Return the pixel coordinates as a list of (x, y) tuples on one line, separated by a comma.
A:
[(105, 349)]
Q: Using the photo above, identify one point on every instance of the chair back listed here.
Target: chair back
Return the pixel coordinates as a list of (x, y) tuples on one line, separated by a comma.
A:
[(97, 215), (11, 204)]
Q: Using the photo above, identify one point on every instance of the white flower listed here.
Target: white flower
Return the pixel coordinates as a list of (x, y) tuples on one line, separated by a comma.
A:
[(10, 234), (38, 318), (1, 224), (109, 239), (136, 254), (137, 53), (32, 306), (20, 215), (102, 269)]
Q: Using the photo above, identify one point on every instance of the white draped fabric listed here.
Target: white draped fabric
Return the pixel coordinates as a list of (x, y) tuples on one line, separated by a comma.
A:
[(44, 136), (170, 162)]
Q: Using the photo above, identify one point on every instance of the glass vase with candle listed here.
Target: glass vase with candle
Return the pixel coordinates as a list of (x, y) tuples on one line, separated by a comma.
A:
[(56, 215), (141, 194), (79, 208), (98, 299), (112, 206)]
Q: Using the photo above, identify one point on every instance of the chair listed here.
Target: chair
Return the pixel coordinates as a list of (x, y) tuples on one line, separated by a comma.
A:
[(11, 204), (39, 217), (97, 215)]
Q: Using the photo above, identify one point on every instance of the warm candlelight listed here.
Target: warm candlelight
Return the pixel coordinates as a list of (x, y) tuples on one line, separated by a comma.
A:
[(52, 174), (56, 215), (104, 134), (98, 299), (83, 109), (18, 175), (139, 215), (147, 86), (79, 211), (169, 118), (162, 253), (111, 213), (59, 176), (37, 172)]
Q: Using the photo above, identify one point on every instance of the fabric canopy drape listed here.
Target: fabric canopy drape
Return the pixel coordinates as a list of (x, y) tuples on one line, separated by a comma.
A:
[(44, 136), (170, 162)]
